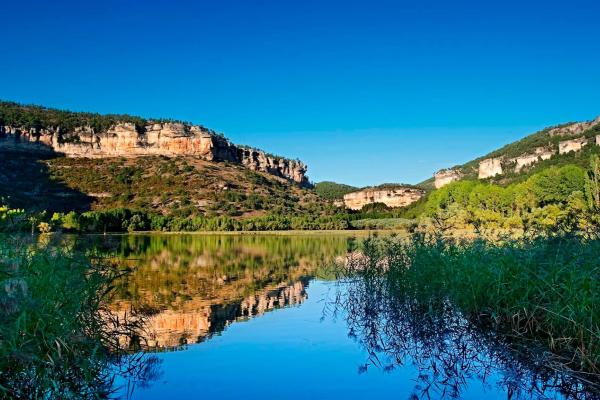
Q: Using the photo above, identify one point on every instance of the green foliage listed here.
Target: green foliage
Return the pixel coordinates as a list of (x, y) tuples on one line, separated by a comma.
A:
[(541, 289), (57, 338), (384, 223), (332, 190), (11, 219), (555, 197), (37, 117)]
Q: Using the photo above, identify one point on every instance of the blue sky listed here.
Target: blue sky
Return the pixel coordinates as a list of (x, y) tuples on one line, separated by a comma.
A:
[(364, 92)]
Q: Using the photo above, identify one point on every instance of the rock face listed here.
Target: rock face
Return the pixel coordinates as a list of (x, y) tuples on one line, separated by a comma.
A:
[(166, 139), (524, 160), (573, 136), (544, 153), (490, 167), (446, 176), (574, 129), (567, 146), (394, 197)]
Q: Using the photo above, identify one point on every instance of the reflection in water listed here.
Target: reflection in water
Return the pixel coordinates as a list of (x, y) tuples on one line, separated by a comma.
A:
[(194, 286), (447, 350)]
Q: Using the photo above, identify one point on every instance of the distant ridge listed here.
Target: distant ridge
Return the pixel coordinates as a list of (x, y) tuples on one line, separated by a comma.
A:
[(91, 135)]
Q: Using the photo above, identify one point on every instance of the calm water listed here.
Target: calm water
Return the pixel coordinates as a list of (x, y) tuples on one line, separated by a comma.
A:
[(262, 316)]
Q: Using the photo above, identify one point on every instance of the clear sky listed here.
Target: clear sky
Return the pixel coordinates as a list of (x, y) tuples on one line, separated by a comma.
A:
[(364, 92)]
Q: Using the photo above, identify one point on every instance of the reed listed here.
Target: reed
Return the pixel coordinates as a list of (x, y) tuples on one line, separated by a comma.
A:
[(543, 290), (57, 338)]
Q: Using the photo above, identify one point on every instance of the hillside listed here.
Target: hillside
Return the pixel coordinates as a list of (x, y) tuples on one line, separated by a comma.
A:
[(62, 161), (180, 186), (333, 190), (41, 130), (569, 143)]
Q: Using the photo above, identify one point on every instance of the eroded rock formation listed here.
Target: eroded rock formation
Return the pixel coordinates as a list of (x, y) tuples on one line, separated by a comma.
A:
[(393, 197), (523, 161), (567, 146), (574, 129), (446, 176), (490, 167), (166, 139)]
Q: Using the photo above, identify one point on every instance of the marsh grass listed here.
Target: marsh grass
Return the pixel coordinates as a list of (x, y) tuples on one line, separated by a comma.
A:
[(57, 338), (539, 292)]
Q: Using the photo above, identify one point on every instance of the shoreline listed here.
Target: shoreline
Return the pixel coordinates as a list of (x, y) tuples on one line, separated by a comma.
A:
[(361, 232)]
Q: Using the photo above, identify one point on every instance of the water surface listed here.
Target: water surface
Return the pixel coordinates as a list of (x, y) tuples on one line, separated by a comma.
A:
[(263, 316)]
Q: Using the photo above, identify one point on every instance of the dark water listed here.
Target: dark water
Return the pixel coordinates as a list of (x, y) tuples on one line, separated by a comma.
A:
[(265, 317)]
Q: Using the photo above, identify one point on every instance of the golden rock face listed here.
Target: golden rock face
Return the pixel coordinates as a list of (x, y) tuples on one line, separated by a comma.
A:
[(490, 167), (446, 176), (393, 197), (163, 139)]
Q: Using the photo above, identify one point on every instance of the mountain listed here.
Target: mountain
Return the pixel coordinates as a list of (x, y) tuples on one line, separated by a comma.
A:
[(62, 161), (86, 135), (570, 143)]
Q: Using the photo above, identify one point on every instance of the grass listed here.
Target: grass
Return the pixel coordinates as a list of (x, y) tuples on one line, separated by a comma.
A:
[(382, 223), (57, 338), (535, 291)]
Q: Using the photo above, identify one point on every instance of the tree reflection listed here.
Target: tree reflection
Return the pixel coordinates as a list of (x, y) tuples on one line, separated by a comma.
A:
[(448, 350)]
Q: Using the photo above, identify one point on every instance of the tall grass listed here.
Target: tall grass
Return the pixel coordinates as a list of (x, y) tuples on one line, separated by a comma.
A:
[(57, 339), (542, 291)]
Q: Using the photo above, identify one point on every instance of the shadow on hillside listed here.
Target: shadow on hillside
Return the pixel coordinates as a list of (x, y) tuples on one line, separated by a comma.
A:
[(26, 182)]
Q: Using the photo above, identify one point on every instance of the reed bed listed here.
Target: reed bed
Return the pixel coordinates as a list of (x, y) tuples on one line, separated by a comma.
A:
[(543, 290), (57, 338)]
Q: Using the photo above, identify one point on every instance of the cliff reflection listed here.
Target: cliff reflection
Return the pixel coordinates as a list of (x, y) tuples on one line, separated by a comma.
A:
[(192, 286)]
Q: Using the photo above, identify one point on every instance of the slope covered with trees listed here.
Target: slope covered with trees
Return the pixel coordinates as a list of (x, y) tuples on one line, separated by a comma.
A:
[(333, 190)]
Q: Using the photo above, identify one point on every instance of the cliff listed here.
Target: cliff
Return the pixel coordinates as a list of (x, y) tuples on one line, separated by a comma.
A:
[(36, 129), (446, 176), (551, 146), (399, 196)]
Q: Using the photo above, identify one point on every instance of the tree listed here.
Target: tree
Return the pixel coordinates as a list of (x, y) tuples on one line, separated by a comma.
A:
[(592, 183)]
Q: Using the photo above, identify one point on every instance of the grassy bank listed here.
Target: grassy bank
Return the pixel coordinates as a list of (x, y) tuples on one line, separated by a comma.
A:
[(57, 340), (542, 291)]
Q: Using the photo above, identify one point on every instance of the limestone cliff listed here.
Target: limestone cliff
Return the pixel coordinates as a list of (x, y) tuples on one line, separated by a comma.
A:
[(446, 176), (490, 167), (553, 143), (125, 139), (392, 197), (576, 144)]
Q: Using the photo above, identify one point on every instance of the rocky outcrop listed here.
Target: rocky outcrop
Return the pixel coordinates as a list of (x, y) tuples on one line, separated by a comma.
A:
[(393, 197), (573, 129), (446, 176), (166, 139), (573, 136), (490, 167), (544, 153), (567, 146), (524, 161)]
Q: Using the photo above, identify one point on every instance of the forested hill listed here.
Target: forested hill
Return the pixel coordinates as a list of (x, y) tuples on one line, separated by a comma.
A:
[(333, 190), (569, 143)]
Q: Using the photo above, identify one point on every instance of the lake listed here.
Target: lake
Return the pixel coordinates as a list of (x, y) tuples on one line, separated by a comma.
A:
[(264, 316)]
